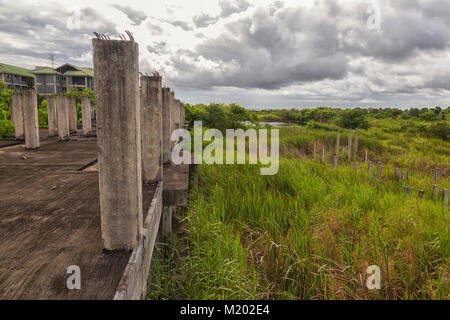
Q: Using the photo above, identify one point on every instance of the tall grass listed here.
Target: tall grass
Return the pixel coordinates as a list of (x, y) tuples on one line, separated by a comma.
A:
[(311, 231)]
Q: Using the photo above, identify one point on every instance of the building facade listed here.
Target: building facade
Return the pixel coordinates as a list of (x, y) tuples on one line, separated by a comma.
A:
[(16, 78), (50, 81)]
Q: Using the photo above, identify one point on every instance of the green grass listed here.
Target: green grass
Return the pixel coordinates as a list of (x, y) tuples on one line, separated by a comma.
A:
[(311, 231)]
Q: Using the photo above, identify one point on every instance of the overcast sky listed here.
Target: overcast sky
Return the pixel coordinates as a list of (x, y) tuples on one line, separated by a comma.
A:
[(260, 54)]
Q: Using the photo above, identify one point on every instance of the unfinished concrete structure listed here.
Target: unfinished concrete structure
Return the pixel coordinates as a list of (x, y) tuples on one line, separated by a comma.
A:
[(16, 78), (73, 115), (151, 128), (30, 119), (52, 116), (63, 117), (60, 203), (17, 116), (86, 115)]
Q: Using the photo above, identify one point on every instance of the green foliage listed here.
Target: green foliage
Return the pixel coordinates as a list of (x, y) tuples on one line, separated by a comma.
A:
[(78, 93), (317, 125), (353, 118), (42, 114), (218, 116), (6, 129), (310, 231), (6, 126)]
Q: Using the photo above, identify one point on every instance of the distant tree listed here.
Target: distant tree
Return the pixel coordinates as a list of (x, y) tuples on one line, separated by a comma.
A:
[(354, 118)]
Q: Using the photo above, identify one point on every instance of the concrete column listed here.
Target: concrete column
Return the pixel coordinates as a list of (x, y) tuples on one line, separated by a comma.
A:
[(17, 116), (166, 120), (116, 68), (151, 128), (177, 114), (52, 116), (173, 115), (86, 115), (63, 117), (182, 115), (30, 119), (73, 116)]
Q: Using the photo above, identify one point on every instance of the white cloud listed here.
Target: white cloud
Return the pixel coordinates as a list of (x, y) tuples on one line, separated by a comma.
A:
[(261, 53)]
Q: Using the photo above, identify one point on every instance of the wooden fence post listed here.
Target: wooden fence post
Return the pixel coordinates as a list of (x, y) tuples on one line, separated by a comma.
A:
[(445, 197), (356, 142), (366, 156), (436, 191), (324, 151), (397, 173), (338, 141), (421, 194), (369, 166), (349, 145), (315, 149), (436, 175), (404, 176), (335, 161)]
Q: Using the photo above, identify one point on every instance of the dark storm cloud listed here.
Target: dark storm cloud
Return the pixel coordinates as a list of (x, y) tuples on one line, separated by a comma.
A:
[(263, 52), (134, 15), (439, 82), (404, 33), (279, 46)]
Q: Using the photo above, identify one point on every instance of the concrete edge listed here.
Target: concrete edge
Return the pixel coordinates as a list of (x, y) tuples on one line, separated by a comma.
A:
[(133, 283)]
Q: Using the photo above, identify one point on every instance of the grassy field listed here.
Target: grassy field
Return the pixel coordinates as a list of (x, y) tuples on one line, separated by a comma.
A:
[(311, 231)]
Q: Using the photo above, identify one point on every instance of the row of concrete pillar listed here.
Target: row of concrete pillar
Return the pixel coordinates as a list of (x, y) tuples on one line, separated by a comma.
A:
[(61, 112), (134, 126)]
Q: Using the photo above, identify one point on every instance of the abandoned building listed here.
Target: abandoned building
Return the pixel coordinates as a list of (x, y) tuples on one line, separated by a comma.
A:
[(61, 79), (16, 78)]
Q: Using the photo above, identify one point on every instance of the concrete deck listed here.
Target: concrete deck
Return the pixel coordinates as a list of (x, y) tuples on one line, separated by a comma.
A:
[(50, 219)]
